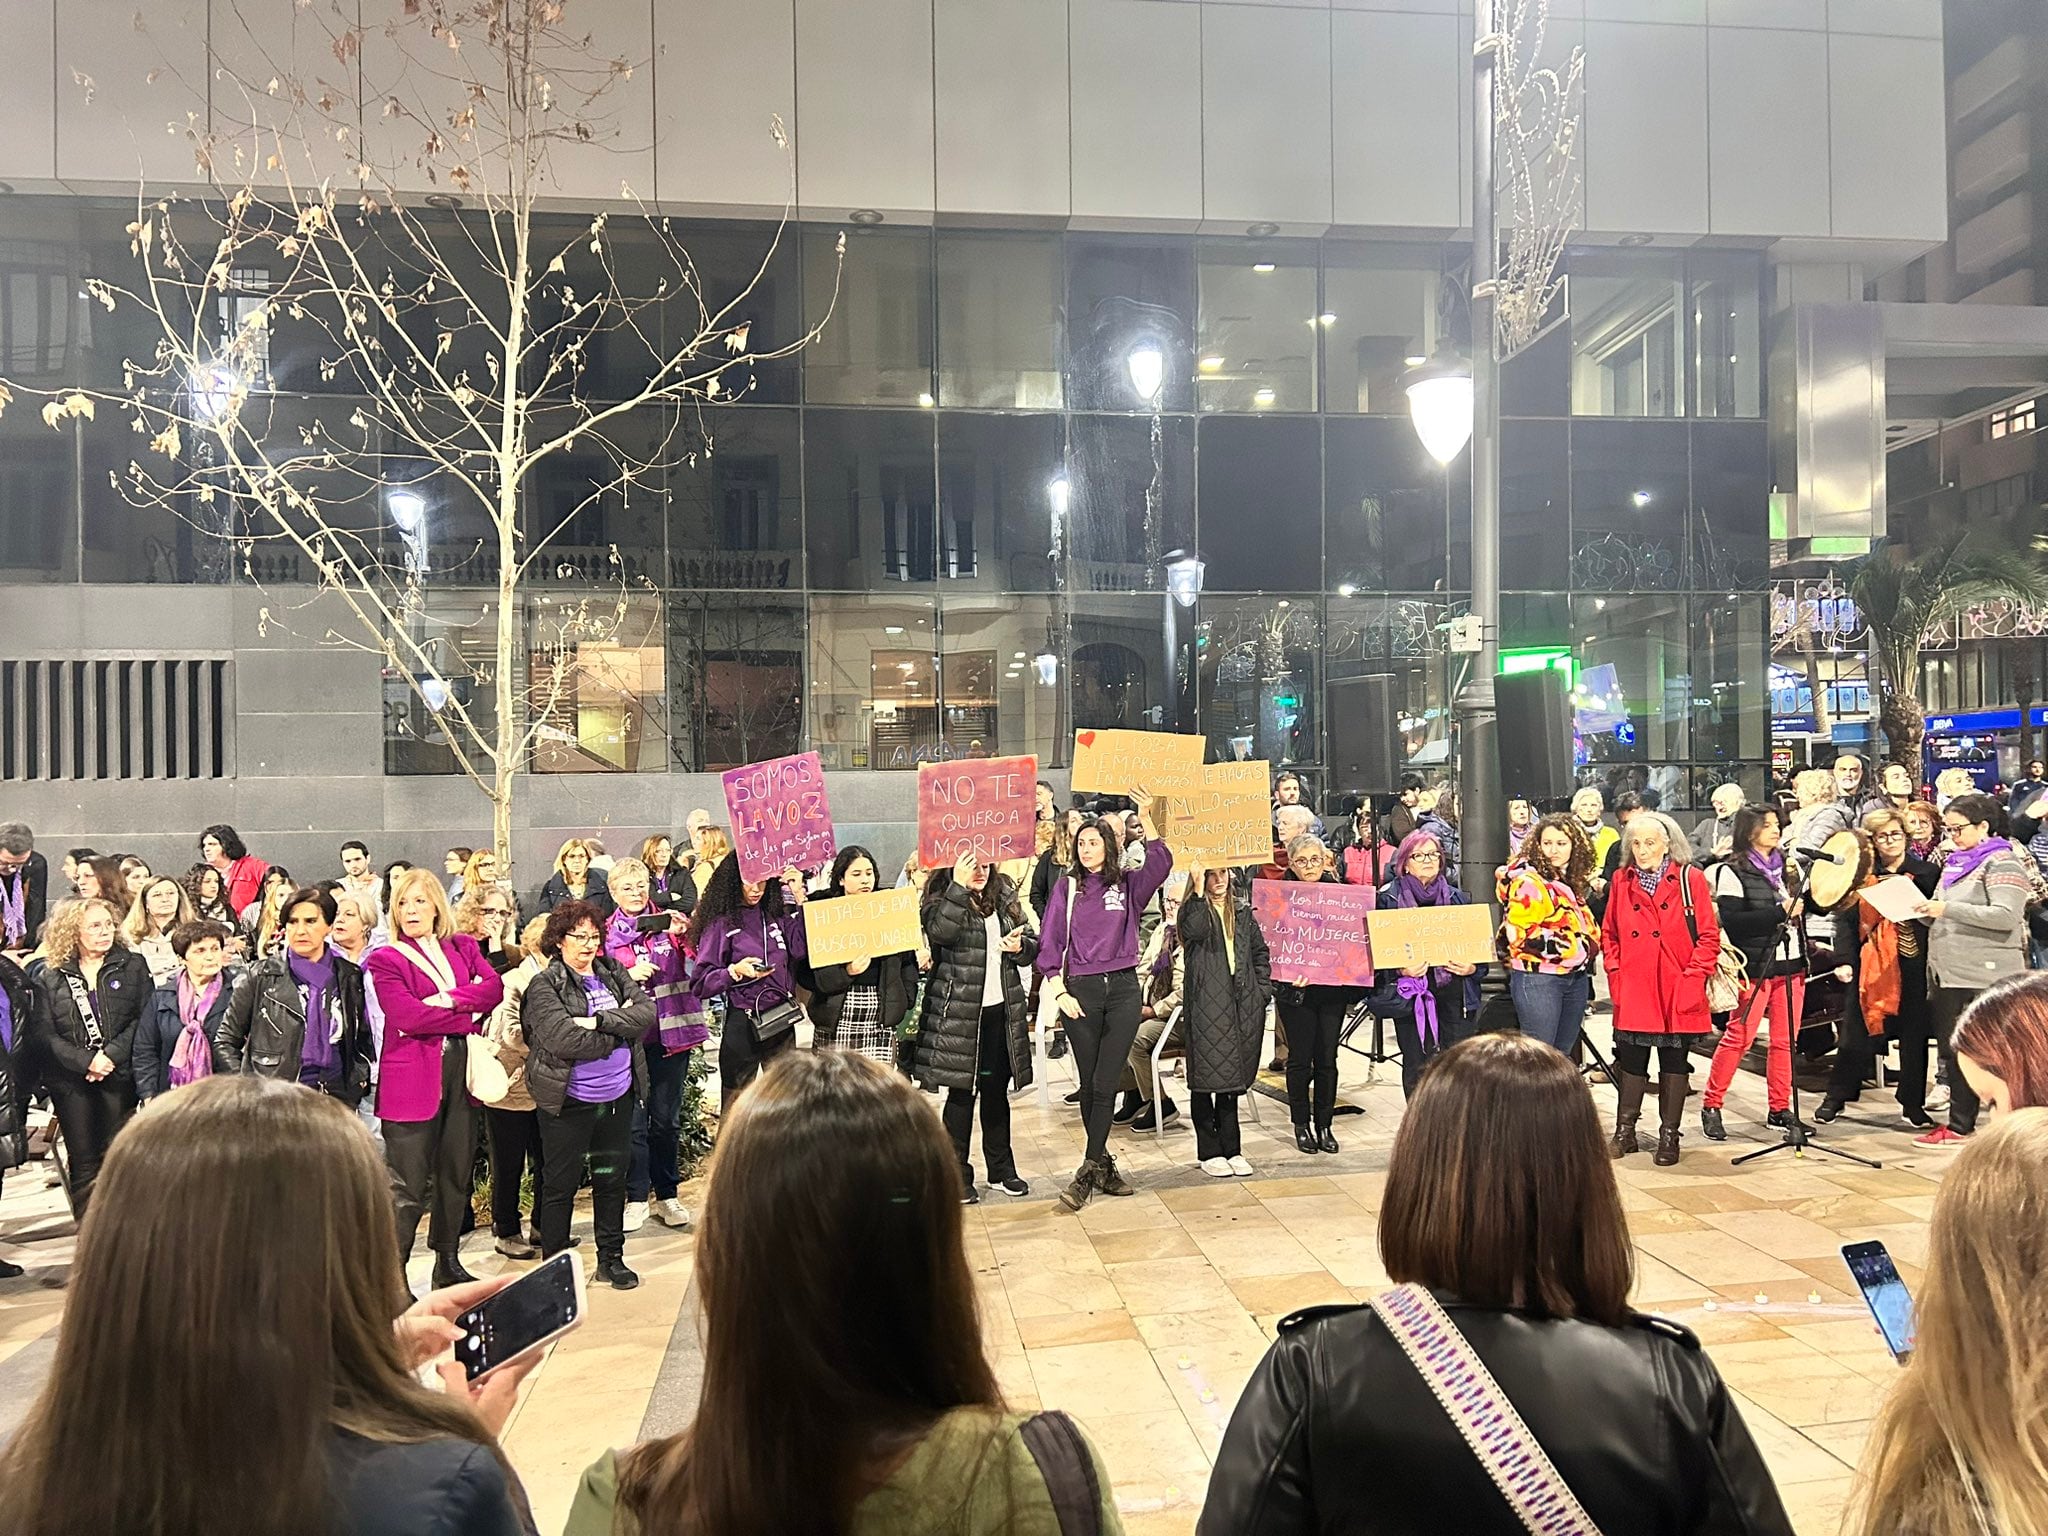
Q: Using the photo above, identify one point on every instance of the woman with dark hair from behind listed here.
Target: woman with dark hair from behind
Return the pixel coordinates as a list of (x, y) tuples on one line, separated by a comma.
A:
[(847, 1390), (974, 1038), (861, 1004), (748, 937), (238, 1276), (1957, 1447), (1502, 1211)]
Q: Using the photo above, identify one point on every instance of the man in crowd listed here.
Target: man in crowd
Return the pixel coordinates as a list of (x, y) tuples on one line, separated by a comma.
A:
[(1716, 832), (359, 878), (24, 887)]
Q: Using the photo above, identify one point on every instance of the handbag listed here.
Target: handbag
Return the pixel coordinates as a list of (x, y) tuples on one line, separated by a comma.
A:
[(1728, 982), (772, 1023), (1535, 1490), (483, 1074)]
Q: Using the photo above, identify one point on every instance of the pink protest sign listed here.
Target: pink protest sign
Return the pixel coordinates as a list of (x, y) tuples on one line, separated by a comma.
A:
[(779, 816), (984, 806), (1315, 933)]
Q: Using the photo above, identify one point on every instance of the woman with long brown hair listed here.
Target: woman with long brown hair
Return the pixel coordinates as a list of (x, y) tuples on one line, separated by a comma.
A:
[(1501, 1215), (1549, 936), (1958, 1448), (846, 1389), (229, 1358)]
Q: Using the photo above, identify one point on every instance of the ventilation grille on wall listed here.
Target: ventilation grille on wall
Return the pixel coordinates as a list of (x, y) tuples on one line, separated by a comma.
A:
[(88, 719)]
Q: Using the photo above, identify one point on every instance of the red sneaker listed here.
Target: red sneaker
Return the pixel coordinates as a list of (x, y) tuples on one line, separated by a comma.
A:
[(1940, 1136)]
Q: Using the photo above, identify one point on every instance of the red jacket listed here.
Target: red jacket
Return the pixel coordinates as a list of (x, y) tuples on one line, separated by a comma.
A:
[(1656, 971)]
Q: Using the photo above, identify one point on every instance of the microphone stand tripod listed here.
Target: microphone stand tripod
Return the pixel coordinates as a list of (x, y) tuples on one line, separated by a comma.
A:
[(1799, 1138)]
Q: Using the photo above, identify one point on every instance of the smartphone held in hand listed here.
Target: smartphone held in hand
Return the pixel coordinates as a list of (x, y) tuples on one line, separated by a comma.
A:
[(538, 1307), (1871, 1267)]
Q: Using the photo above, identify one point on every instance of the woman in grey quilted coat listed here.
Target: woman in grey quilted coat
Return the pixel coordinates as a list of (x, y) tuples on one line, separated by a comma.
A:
[(1226, 984)]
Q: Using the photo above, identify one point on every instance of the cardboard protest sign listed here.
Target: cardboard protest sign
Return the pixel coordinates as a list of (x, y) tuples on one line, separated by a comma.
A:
[(985, 806), (779, 816), (1117, 762), (1226, 822), (1316, 931), (845, 928), (1405, 937)]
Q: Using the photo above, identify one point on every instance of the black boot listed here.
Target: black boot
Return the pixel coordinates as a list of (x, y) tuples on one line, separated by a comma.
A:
[(1671, 1091), (448, 1270), (1076, 1194), (1326, 1140), (1151, 1116), (1628, 1109), (1711, 1126), (1305, 1139), (614, 1273)]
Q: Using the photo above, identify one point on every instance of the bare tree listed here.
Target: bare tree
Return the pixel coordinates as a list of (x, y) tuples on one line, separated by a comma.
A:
[(481, 356)]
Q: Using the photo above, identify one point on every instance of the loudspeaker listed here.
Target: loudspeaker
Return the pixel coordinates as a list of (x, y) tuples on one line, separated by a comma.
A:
[(1535, 734), (1361, 724)]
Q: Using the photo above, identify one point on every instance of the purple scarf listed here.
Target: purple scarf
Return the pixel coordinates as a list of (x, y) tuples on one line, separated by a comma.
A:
[(1411, 892), (1416, 989), (1773, 866), (319, 1060), (192, 1057), (14, 911), (1964, 862)]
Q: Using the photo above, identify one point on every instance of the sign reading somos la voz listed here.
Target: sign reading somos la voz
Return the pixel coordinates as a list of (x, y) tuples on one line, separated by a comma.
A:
[(984, 806), (780, 816)]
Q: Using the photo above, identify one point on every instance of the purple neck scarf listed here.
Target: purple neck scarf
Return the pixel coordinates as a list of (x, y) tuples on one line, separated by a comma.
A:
[(1411, 892), (14, 910), (1964, 862), (1773, 866), (1416, 989), (192, 1057)]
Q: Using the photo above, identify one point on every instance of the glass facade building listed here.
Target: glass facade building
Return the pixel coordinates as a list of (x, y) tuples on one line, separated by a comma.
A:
[(1026, 482)]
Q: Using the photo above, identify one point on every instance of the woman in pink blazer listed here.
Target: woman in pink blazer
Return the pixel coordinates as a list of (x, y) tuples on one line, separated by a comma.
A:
[(433, 987)]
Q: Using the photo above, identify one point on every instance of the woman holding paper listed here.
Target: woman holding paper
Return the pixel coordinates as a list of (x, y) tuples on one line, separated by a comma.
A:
[(861, 1004), (1088, 954), (1311, 1018), (748, 936), (1426, 1002)]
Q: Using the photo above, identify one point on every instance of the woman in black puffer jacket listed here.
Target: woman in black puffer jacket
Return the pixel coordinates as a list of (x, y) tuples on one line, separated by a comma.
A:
[(975, 1032), (1226, 982)]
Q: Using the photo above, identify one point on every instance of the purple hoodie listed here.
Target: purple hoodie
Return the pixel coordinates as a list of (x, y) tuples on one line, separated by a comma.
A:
[(1104, 936), (747, 935)]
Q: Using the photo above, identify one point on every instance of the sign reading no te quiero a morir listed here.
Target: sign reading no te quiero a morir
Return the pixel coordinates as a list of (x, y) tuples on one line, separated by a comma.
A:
[(984, 806)]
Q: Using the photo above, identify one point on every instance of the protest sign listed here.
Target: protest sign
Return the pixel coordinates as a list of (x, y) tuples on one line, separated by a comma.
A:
[(779, 816), (985, 806), (1226, 821), (844, 928), (1315, 932), (1117, 762), (1405, 937)]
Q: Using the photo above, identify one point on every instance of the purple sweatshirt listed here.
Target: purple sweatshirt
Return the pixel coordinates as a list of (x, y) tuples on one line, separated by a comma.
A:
[(1104, 922), (747, 935)]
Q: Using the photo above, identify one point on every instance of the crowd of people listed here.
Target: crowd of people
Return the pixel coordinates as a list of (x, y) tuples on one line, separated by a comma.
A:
[(461, 1040)]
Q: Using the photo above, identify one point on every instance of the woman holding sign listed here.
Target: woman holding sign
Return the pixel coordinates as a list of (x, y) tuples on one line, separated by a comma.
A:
[(749, 939), (1088, 954), (1312, 1020), (861, 1004), (1426, 1002)]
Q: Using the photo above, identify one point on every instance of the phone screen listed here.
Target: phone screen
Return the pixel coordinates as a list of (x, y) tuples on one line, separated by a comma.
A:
[(1871, 1267), (654, 922), (534, 1308)]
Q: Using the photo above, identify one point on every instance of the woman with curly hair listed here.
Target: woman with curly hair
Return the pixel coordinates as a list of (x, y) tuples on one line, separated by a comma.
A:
[(1549, 935), (748, 937), (94, 991)]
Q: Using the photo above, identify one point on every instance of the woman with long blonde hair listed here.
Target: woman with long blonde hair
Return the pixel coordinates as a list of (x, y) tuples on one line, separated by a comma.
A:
[(160, 907), (577, 878), (1961, 1446)]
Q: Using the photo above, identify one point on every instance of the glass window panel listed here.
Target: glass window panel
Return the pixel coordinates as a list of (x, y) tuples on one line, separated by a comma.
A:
[(1129, 663), (746, 273), (1130, 321), (1383, 507), (1663, 786), (1635, 677), (998, 700), (1402, 639), (1256, 345), (39, 504), (735, 509), (1535, 492), (1731, 698), (458, 629), (1630, 489), (622, 347), (1731, 483), (875, 347), (1002, 481), (870, 506), (1537, 381), (1131, 495), (1261, 689), (1001, 303), (596, 513), (1727, 318), (1628, 335), (1535, 621), (874, 681), (1261, 501), (1382, 301), (736, 678), (598, 684), (129, 534)]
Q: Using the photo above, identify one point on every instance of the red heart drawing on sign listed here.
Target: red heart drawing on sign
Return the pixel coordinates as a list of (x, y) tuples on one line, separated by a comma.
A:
[(1086, 738)]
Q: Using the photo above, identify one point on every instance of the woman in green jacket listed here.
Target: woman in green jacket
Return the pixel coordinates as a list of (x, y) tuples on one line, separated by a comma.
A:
[(846, 1389)]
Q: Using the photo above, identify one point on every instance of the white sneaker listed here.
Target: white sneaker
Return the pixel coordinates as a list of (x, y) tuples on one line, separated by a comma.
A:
[(636, 1215), (672, 1213), (1240, 1167), (1216, 1167)]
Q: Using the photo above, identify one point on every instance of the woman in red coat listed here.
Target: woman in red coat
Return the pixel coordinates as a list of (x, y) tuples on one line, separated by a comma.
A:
[(1660, 949)]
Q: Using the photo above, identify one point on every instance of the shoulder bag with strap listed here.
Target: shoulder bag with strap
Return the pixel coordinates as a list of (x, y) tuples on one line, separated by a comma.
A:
[(1729, 979), (777, 1019), (1061, 1455), (1535, 1490), (483, 1074), (81, 996)]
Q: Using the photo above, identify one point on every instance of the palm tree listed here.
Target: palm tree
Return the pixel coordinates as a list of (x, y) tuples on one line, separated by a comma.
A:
[(1905, 597)]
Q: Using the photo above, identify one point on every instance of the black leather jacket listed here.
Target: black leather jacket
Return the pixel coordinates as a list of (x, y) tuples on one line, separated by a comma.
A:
[(264, 1030), (1338, 1432)]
